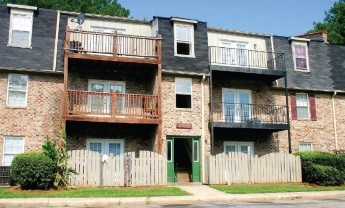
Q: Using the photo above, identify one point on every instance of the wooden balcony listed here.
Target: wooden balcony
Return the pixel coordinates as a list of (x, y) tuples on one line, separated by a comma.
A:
[(112, 47), (249, 116), (111, 107)]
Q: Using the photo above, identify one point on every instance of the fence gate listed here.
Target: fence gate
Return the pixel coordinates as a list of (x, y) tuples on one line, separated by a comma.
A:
[(123, 170)]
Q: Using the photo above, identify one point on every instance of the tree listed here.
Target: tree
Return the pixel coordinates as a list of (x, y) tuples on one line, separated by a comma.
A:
[(103, 7), (334, 23)]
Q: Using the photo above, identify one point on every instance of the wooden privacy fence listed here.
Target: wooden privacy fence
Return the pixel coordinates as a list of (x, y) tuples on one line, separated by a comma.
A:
[(122, 170), (228, 168)]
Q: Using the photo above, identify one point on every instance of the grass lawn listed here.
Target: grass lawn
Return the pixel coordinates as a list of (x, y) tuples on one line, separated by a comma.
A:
[(274, 188), (93, 192)]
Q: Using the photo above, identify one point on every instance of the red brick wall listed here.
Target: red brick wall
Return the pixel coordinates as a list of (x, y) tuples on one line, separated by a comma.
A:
[(40, 119)]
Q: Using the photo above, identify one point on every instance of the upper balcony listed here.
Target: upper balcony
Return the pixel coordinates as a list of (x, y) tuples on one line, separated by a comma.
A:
[(249, 116), (81, 44), (245, 62)]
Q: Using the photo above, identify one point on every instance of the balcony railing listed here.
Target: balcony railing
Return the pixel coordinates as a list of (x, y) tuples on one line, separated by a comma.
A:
[(249, 113), (86, 103), (90, 42), (246, 58)]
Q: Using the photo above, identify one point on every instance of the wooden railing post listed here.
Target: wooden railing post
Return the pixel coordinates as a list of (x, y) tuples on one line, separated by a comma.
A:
[(115, 43), (159, 48), (67, 38), (113, 104)]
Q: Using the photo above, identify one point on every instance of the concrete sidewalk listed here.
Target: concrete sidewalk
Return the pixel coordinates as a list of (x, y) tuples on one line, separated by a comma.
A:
[(200, 194)]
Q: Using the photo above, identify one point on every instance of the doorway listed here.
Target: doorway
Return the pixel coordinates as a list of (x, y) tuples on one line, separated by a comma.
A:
[(183, 154)]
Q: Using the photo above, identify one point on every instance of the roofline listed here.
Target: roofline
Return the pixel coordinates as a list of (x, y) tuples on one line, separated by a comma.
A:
[(237, 32), (143, 21)]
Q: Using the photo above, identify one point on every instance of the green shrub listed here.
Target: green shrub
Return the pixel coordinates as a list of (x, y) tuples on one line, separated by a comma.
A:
[(33, 171), (322, 168), (325, 175)]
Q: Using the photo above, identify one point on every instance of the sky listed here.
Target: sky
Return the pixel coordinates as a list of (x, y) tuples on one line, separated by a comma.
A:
[(276, 17)]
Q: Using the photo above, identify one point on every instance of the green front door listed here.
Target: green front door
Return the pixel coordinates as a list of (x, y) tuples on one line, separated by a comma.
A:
[(176, 148), (170, 158), (196, 160)]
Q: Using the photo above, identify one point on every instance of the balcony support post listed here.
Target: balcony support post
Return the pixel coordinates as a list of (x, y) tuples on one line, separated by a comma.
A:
[(113, 104), (287, 113)]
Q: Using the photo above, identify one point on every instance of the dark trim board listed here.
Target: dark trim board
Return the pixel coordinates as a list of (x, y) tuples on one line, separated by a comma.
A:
[(249, 73), (254, 126)]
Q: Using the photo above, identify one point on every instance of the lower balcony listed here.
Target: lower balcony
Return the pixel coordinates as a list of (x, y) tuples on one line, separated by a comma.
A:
[(249, 116), (111, 107)]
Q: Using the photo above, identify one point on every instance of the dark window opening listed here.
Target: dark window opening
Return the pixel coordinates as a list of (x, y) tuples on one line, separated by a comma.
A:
[(183, 48), (183, 101)]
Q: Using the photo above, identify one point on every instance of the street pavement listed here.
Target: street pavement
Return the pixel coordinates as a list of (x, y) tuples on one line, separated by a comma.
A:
[(200, 194)]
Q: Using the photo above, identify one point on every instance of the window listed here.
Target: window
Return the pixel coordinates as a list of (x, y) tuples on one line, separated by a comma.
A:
[(106, 146), (184, 39), (300, 52), (305, 146), (20, 28), (183, 90), (17, 90), (244, 147), (302, 105), (12, 147)]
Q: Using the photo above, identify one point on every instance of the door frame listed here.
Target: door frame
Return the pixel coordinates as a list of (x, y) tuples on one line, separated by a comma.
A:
[(106, 89), (195, 166), (232, 56), (237, 113)]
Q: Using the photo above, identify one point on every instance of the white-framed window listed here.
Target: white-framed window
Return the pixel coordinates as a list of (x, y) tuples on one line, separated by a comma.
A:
[(20, 32), (237, 146), (12, 146), (184, 39), (17, 90), (305, 146), (302, 105), (106, 146), (234, 53), (183, 91), (300, 56)]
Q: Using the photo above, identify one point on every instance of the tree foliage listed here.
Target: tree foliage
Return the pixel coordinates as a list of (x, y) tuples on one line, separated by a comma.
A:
[(334, 23), (103, 7)]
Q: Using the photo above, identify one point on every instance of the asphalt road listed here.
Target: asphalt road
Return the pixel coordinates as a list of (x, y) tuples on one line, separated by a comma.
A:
[(314, 203)]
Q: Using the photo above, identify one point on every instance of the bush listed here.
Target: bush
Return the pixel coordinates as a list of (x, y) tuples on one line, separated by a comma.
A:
[(33, 171), (322, 168)]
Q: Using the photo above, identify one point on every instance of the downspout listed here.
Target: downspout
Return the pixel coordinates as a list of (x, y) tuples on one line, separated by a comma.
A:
[(203, 126), (335, 123), (273, 54), (56, 39), (211, 115)]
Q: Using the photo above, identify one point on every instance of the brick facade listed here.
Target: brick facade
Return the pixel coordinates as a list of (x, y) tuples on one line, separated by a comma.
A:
[(40, 119), (320, 132), (171, 115)]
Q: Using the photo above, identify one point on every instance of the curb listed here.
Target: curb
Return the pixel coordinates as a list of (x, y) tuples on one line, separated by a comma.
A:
[(170, 200)]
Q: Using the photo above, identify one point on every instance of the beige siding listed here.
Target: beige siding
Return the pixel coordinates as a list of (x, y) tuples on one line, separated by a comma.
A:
[(254, 42), (133, 28)]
